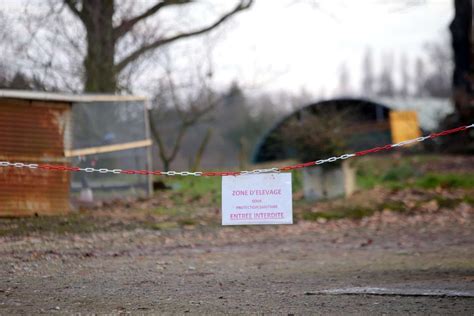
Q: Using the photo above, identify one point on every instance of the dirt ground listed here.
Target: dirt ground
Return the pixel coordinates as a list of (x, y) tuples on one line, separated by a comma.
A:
[(411, 264)]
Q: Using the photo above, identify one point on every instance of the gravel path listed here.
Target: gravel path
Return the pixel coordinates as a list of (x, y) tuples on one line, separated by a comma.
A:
[(307, 268)]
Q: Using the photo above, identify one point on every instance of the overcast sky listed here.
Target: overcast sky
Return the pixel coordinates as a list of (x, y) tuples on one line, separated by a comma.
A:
[(301, 44)]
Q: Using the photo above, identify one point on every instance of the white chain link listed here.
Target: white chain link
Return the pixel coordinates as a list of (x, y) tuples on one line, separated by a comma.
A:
[(404, 143), (333, 159), (256, 171), (181, 173), (199, 173), (18, 164), (89, 170)]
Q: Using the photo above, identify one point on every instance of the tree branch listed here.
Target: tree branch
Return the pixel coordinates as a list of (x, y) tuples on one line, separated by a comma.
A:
[(243, 5), (200, 152), (179, 139), (157, 136), (128, 24), (72, 5)]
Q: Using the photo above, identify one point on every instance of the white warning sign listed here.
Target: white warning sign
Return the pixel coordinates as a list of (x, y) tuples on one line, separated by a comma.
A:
[(257, 199)]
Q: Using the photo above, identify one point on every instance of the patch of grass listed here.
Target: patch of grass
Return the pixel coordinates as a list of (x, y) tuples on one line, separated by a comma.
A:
[(351, 212), (186, 222), (297, 180), (394, 177), (404, 173), (433, 180), (395, 206), (170, 211), (173, 217), (366, 182), (177, 198), (358, 212), (468, 199), (398, 173), (193, 188), (164, 226), (449, 203), (198, 185)]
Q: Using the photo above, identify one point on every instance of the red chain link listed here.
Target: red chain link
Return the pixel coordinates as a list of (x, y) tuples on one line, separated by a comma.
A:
[(231, 173), (58, 167), (449, 131), (220, 174), (373, 150)]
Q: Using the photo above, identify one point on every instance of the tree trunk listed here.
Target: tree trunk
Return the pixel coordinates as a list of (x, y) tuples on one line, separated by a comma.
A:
[(196, 164), (463, 76), (99, 67)]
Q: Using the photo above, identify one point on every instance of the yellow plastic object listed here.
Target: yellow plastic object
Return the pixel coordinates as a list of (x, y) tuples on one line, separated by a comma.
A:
[(404, 125)]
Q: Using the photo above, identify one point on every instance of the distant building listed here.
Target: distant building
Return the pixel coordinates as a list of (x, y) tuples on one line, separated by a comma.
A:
[(368, 123)]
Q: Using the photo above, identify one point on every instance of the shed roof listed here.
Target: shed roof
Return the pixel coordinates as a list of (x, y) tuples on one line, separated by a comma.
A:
[(66, 97)]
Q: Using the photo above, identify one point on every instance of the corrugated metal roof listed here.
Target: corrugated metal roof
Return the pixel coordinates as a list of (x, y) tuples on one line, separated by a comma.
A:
[(65, 97)]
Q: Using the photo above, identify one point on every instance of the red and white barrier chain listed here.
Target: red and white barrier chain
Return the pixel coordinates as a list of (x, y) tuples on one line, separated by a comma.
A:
[(232, 173)]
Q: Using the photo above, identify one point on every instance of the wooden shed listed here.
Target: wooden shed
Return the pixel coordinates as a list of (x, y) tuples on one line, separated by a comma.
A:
[(64, 129)]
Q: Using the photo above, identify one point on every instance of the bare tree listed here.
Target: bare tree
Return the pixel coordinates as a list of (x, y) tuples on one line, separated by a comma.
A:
[(419, 76), (386, 86), (429, 77), (438, 80), (404, 90), (104, 43), (10, 76), (178, 107), (116, 36), (368, 74), (344, 80)]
